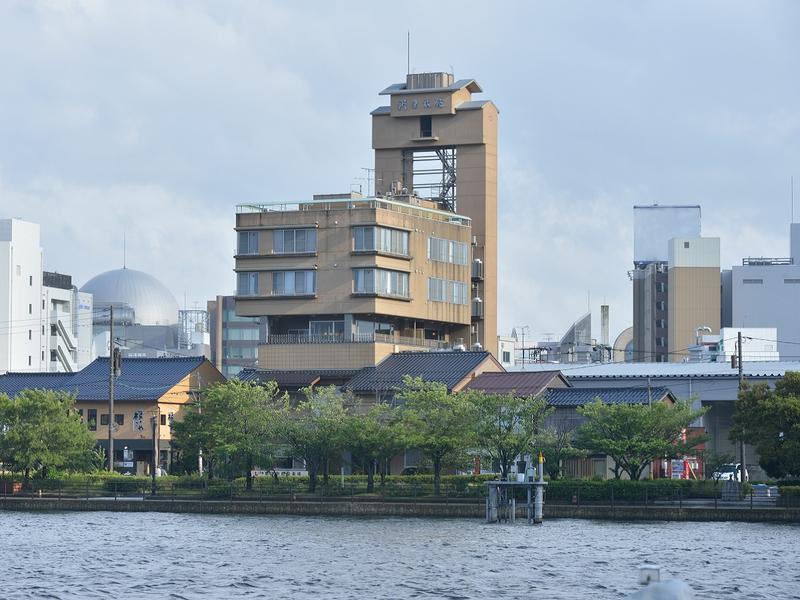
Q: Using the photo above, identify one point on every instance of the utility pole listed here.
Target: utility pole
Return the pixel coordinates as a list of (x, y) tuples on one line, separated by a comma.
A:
[(111, 367), (153, 425), (742, 469)]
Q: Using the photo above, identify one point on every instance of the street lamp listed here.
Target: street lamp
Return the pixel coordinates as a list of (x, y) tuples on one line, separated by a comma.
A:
[(153, 424)]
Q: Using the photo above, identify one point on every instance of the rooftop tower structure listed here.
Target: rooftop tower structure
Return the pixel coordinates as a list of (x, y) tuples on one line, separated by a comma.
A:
[(435, 142)]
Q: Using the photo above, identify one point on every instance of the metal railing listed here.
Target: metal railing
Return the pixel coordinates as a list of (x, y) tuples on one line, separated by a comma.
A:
[(355, 338), (355, 204)]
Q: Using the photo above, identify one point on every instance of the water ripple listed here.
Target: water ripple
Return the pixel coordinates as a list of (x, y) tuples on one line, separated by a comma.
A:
[(67, 556)]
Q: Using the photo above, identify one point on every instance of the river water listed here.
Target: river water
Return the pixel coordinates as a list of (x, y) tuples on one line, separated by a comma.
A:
[(162, 555)]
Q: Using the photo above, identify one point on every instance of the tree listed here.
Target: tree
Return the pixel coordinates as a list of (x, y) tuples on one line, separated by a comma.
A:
[(40, 430), (235, 422), (770, 421), (373, 436), (635, 434), (314, 429), (435, 422), (713, 462), (556, 443), (506, 425)]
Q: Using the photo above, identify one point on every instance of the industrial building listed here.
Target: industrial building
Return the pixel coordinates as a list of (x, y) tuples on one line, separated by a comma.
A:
[(765, 292), (676, 282), (147, 321)]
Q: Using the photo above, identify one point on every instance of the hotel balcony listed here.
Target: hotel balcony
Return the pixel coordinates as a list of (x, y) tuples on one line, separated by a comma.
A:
[(302, 351)]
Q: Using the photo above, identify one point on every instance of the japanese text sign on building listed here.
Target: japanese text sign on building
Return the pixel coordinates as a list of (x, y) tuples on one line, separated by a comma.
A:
[(404, 104)]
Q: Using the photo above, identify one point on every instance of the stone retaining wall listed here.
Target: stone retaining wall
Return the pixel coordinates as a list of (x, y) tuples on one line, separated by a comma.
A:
[(400, 509)]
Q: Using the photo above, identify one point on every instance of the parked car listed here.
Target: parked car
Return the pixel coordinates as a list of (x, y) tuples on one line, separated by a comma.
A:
[(730, 472), (416, 471)]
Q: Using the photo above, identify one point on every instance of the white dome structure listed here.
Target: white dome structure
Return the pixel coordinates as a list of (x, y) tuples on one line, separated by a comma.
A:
[(151, 302)]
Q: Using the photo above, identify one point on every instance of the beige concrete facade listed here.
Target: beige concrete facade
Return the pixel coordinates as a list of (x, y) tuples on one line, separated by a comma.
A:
[(694, 293), (694, 301), (413, 318), (426, 120)]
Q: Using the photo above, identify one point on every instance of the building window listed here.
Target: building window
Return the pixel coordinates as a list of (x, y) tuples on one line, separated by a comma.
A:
[(661, 342), (294, 283), (30, 360), (443, 290), (685, 244), (791, 281), (239, 334), (753, 281), (448, 251), (30, 334), (119, 419), (506, 356), (380, 239), (661, 323), (425, 126), (91, 419), (248, 242), (104, 420), (233, 352), (661, 305), (326, 328), (247, 284), (30, 309), (163, 419), (294, 241), (380, 281), (30, 280)]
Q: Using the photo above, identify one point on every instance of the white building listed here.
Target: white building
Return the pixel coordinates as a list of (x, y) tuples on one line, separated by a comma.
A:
[(765, 292), (21, 330), (758, 344), (45, 323), (67, 322), (507, 350)]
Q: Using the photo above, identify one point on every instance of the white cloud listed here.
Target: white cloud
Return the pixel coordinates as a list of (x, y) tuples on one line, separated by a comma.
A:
[(155, 119)]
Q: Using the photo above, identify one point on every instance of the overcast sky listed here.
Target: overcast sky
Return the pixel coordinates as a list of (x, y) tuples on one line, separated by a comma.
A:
[(154, 119)]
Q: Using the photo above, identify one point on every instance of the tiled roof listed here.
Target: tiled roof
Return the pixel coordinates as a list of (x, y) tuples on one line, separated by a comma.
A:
[(527, 383), (629, 395), (296, 379), (141, 379), (446, 367), (673, 370)]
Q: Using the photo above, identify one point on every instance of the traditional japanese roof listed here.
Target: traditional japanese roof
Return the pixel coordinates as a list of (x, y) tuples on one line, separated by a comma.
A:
[(450, 368), (294, 380), (569, 397), (141, 379), (751, 369), (522, 383)]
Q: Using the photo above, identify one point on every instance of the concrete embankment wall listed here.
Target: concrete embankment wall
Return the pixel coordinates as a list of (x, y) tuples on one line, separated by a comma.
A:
[(400, 509)]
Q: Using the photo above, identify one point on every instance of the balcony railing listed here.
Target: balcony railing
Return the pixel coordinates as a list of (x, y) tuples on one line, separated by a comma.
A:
[(355, 204), (356, 338)]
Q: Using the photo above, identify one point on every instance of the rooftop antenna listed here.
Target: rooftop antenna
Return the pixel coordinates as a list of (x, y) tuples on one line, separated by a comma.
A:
[(408, 52), (124, 251), (792, 193)]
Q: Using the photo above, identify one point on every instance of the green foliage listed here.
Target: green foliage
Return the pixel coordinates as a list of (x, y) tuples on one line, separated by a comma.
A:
[(373, 435), (235, 423), (557, 445), (713, 461), (42, 430), (625, 490), (506, 425), (770, 421), (435, 422), (314, 429), (635, 434)]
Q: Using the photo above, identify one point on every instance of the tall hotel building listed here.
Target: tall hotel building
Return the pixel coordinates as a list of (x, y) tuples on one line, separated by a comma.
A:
[(345, 280)]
